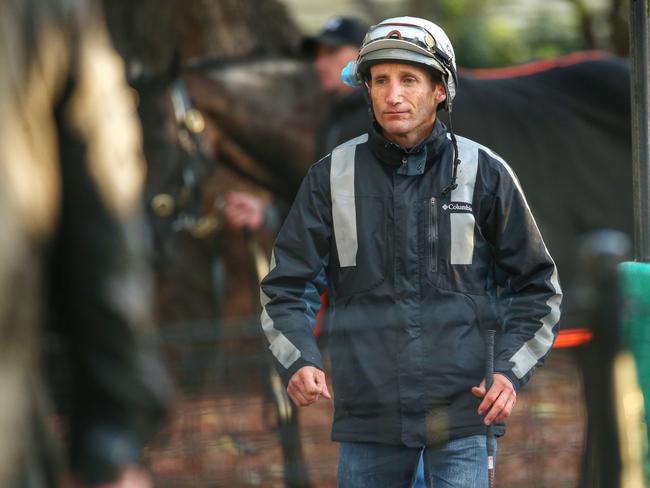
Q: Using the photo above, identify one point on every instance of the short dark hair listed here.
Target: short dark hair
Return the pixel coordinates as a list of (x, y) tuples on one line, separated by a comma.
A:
[(436, 76)]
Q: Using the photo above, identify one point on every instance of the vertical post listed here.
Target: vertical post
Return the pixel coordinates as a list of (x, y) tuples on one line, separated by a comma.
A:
[(639, 52)]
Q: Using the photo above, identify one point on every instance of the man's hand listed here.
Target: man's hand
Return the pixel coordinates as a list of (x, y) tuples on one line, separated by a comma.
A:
[(499, 401), (307, 385), (242, 209)]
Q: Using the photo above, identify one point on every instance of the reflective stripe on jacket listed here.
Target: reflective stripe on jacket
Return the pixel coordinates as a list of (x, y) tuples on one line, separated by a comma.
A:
[(415, 277)]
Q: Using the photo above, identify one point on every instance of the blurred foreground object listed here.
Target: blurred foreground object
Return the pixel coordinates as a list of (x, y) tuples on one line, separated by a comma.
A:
[(631, 400), (616, 301), (73, 269), (635, 276)]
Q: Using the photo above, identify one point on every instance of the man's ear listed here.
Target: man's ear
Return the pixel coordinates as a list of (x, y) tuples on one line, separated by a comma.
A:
[(440, 93)]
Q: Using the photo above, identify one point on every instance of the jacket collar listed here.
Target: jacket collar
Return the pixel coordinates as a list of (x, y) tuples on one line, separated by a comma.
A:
[(393, 154)]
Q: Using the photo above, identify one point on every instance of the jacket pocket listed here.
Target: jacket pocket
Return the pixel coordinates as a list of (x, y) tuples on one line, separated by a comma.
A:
[(456, 258), (432, 235), (432, 239)]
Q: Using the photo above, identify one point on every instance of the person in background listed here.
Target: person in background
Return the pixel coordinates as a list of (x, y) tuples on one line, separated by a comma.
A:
[(331, 50), (245, 210), (74, 256)]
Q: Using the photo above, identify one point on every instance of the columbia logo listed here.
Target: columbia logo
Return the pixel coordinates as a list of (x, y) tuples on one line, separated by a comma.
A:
[(462, 207)]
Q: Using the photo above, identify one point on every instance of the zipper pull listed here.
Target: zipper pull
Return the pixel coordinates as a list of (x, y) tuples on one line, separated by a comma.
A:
[(404, 160)]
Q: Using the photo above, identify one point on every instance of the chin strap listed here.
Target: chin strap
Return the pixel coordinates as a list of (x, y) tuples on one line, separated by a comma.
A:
[(454, 173)]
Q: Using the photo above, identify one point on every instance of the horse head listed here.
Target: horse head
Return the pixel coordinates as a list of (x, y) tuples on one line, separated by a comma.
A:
[(261, 115)]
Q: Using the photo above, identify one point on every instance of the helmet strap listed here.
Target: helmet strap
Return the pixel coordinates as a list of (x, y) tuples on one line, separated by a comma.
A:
[(456, 160), (448, 100), (366, 94)]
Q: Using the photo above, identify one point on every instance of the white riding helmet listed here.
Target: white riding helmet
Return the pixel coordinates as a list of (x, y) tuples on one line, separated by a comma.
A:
[(408, 39)]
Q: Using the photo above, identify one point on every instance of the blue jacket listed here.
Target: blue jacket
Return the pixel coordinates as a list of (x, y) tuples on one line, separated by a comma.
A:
[(415, 277)]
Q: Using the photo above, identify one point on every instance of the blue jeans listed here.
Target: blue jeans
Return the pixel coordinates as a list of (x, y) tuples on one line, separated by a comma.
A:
[(462, 463)]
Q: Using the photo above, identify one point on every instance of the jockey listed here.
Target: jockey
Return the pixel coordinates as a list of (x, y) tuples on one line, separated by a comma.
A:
[(426, 241)]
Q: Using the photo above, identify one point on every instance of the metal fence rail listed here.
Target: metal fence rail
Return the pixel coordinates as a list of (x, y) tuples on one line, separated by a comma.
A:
[(223, 430)]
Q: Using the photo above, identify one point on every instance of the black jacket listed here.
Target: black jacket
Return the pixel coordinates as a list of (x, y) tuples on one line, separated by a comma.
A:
[(416, 275)]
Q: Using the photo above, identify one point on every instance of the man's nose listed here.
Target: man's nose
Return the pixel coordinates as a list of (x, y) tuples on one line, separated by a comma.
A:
[(394, 93)]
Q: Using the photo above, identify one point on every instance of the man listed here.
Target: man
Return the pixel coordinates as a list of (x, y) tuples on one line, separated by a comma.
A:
[(73, 254), (425, 240), (332, 49)]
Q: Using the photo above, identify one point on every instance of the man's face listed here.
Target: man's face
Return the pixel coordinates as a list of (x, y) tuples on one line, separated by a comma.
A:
[(404, 100), (330, 60)]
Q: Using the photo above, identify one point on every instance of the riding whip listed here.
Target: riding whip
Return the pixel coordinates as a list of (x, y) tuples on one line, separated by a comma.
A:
[(489, 376)]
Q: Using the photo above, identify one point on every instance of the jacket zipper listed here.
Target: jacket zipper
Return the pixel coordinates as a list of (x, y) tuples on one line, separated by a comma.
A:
[(433, 235)]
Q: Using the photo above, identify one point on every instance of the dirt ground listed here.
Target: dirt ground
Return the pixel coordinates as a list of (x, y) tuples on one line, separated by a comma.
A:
[(230, 440)]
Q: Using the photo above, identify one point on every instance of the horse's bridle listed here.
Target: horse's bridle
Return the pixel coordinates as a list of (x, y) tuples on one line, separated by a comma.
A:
[(187, 204)]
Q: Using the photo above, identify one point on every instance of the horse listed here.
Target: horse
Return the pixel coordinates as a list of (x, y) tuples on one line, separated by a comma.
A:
[(207, 283)]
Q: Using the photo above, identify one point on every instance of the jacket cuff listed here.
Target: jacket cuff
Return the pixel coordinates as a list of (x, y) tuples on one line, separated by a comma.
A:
[(286, 374), (516, 383)]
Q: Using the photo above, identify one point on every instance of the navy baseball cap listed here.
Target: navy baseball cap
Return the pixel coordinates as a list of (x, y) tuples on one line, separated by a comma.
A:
[(337, 31)]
